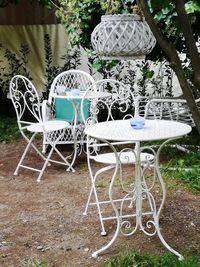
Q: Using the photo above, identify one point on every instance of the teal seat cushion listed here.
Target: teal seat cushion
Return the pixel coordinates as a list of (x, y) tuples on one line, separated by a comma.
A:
[(64, 109)]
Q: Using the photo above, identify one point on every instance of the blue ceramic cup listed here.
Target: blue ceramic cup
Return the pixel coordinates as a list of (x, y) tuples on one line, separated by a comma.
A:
[(137, 122)]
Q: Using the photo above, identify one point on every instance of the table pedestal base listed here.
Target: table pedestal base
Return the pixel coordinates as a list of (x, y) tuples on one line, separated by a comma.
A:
[(142, 198)]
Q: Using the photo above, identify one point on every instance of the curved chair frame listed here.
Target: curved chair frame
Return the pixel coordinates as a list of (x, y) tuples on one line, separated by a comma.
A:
[(175, 109), (108, 100), (31, 123), (170, 109), (68, 80)]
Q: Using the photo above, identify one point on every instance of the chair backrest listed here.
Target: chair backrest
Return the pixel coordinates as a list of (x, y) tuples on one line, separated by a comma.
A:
[(25, 100), (66, 81), (108, 99), (170, 109)]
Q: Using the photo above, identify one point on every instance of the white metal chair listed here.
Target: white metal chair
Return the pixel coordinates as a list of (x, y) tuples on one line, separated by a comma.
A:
[(171, 109), (64, 109), (31, 123), (108, 100)]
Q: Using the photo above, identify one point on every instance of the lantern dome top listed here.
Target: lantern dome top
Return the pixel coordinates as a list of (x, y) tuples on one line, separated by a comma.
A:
[(122, 36)]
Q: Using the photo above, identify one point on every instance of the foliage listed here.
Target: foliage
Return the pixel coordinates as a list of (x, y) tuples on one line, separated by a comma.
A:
[(188, 169), (8, 129), (18, 65), (50, 69), (105, 67), (144, 77), (71, 60), (46, 3), (166, 18), (33, 262), (190, 176), (185, 166), (129, 259), (79, 18), (184, 39), (15, 65)]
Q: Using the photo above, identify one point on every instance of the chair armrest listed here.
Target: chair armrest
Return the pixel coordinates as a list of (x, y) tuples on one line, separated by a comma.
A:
[(46, 110)]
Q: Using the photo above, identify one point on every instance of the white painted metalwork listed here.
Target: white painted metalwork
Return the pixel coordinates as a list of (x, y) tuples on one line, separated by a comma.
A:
[(62, 87), (170, 109), (120, 103), (30, 122), (141, 205), (175, 109), (122, 36)]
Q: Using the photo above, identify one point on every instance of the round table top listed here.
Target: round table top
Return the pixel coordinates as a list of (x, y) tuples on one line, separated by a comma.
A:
[(121, 130)]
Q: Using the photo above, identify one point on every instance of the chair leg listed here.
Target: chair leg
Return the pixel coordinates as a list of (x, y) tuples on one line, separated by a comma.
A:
[(44, 145), (46, 159), (97, 202), (45, 164), (74, 154), (24, 153), (53, 145), (65, 162), (47, 141)]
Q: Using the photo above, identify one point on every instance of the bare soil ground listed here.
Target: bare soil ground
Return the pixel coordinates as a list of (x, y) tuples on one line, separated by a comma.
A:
[(44, 220)]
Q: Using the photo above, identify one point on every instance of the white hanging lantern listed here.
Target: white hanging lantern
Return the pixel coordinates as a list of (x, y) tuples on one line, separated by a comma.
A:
[(123, 36)]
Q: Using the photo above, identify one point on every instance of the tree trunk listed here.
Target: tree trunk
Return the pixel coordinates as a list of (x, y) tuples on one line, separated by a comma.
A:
[(187, 93), (175, 62), (189, 40)]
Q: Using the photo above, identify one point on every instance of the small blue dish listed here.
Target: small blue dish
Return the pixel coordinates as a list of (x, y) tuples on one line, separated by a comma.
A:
[(137, 122)]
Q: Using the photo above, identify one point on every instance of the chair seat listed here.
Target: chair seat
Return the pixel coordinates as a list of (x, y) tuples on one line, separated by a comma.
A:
[(125, 158), (49, 126)]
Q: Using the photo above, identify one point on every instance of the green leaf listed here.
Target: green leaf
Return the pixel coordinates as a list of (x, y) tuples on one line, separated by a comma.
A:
[(192, 7), (157, 4)]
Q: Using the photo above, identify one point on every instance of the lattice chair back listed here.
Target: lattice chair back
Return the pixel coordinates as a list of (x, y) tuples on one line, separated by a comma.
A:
[(68, 109), (170, 109), (63, 84), (69, 80), (25, 100)]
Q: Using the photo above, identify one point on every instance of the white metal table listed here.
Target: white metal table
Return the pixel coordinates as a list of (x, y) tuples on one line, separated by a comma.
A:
[(120, 130)]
